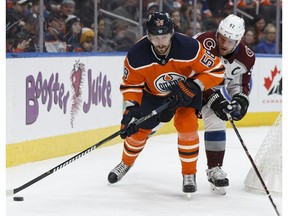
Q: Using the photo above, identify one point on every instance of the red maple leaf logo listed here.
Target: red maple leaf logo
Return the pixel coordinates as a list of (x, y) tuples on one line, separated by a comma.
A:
[(268, 81)]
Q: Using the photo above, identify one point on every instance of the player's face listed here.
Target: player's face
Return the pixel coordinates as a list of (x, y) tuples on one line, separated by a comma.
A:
[(225, 45), (161, 43)]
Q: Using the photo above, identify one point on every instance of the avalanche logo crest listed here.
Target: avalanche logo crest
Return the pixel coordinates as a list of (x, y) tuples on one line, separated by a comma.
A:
[(273, 84), (165, 82)]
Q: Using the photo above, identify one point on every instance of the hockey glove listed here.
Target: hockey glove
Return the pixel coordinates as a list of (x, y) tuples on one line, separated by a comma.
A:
[(183, 93), (219, 105), (240, 103), (128, 126)]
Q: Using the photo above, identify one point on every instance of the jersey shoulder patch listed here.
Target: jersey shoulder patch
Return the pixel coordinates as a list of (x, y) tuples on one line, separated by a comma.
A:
[(246, 56), (208, 41)]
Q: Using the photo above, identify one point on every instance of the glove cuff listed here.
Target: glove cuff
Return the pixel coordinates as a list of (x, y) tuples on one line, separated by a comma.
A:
[(211, 100), (130, 104)]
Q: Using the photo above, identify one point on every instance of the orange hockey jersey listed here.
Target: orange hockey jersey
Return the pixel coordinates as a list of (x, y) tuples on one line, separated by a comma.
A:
[(144, 69)]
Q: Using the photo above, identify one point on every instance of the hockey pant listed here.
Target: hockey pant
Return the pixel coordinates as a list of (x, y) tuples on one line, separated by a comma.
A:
[(214, 137), (186, 124)]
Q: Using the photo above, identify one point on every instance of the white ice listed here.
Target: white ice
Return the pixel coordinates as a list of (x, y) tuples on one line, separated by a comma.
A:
[(152, 187)]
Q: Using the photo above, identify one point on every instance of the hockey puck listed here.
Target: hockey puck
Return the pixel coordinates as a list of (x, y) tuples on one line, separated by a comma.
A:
[(18, 198)]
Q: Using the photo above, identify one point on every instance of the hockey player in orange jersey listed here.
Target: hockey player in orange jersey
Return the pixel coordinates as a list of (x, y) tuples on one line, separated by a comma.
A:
[(163, 65)]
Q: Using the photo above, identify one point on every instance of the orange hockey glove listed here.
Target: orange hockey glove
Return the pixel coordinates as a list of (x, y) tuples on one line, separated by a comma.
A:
[(183, 94), (128, 126)]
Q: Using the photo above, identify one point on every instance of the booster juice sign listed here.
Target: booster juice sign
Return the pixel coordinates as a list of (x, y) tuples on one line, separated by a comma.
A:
[(50, 91)]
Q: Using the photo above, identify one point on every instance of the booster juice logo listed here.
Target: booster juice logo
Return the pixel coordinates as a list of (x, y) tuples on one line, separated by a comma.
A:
[(76, 79), (45, 92), (49, 92)]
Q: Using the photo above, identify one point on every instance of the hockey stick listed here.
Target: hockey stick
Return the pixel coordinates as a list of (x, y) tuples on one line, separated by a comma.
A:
[(11, 192), (253, 164)]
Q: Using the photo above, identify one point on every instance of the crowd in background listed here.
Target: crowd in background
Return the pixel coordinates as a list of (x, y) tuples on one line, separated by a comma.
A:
[(69, 24)]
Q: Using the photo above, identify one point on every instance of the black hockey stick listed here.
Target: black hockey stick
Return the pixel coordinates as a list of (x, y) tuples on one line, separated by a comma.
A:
[(253, 164), (11, 192)]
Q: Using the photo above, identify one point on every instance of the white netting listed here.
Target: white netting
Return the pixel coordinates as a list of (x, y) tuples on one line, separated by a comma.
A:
[(269, 162)]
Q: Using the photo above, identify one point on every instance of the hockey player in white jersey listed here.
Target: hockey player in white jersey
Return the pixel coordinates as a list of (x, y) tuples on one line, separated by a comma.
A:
[(238, 60)]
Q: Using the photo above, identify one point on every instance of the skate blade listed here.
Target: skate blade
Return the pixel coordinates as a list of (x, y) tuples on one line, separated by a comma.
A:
[(218, 190), (189, 195)]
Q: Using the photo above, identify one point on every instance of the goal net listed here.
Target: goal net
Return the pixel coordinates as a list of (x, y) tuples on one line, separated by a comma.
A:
[(269, 162)]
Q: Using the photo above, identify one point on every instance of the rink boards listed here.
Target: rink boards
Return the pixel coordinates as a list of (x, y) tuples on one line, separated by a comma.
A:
[(61, 104)]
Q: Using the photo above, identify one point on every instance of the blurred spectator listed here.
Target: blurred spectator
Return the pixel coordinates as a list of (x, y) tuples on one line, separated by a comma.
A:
[(32, 28), (219, 16), (27, 38), (212, 23), (267, 45), (209, 13), (168, 5), (213, 6), (175, 16), (206, 12), (228, 8), (54, 37), (32, 23), (186, 14), (259, 25), (265, 2), (249, 37), (269, 11), (11, 29), (190, 30), (103, 43), (209, 24), (15, 15), (151, 8), (60, 1), (122, 38), (9, 4), (73, 32), (129, 10), (21, 42), (53, 6), (198, 15), (112, 4), (35, 8), (246, 4), (86, 41), (67, 7), (86, 13), (9, 44)]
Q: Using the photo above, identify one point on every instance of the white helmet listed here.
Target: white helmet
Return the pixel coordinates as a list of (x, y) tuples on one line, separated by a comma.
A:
[(232, 27)]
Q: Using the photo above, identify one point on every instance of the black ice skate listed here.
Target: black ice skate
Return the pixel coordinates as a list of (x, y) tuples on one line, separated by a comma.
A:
[(189, 183), (118, 172), (217, 178)]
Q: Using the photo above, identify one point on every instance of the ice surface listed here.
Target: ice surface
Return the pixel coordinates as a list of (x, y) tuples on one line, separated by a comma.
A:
[(152, 187)]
